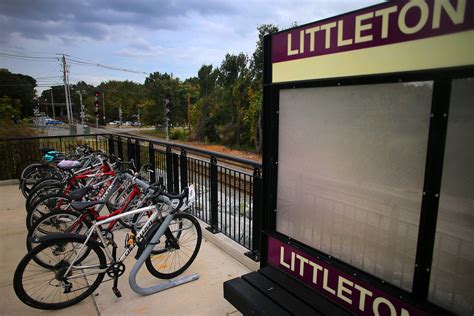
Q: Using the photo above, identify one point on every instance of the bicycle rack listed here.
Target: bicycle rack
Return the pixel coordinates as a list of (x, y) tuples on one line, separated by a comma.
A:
[(132, 278)]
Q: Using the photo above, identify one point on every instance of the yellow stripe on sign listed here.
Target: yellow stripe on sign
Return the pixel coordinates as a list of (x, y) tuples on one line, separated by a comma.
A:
[(436, 52)]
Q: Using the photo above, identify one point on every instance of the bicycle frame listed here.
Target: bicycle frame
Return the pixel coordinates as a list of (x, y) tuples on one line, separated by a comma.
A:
[(96, 171), (97, 229)]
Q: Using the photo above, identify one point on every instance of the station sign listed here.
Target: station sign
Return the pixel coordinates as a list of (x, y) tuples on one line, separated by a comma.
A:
[(351, 292), (395, 36)]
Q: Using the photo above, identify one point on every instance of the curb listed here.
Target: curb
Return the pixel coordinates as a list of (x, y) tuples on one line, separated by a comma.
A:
[(9, 182)]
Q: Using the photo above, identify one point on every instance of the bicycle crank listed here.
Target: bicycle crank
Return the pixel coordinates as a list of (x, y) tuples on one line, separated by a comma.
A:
[(118, 268), (115, 271)]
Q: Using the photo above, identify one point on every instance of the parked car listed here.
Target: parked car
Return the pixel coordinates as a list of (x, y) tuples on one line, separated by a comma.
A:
[(137, 124), (50, 121), (128, 123)]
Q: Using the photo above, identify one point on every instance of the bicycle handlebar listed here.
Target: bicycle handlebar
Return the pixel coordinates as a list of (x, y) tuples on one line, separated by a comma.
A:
[(158, 190), (139, 182)]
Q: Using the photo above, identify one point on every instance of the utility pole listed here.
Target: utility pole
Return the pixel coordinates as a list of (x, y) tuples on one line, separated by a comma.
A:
[(52, 104), (66, 91), (70, 102)]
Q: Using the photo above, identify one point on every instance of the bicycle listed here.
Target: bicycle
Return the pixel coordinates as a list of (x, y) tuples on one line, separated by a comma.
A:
[(80, 215), (70, 179), (81, 262), (115, 197), (34, 172)]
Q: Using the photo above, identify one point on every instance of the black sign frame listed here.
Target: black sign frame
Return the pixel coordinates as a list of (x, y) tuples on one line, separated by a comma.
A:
[(442, 79)]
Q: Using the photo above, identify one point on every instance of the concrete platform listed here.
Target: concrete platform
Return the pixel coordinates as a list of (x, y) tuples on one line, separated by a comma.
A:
[(201, 297)]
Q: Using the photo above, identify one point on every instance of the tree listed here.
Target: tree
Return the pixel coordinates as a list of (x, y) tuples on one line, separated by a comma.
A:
[(9, 109), (253, 118), (234, 80), (19, 87), (207, 77), (159, 87), (256, 64)]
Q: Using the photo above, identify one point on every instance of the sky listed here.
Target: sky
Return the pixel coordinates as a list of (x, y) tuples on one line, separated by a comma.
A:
[(173, 36)]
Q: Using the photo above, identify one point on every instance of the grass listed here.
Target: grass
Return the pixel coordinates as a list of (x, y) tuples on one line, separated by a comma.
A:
[(176, 133), (10, 130)]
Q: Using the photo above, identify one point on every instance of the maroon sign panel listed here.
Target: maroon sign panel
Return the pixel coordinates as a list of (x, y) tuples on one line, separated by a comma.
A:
[(388, 23), (357, 296)]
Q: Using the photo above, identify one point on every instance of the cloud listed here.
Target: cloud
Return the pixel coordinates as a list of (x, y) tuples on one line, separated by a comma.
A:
[(175, 36), (98, 19)]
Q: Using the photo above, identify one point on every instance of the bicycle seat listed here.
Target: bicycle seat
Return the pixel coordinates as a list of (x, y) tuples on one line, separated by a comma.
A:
[(78, 194), (79, 206), (69, 164)]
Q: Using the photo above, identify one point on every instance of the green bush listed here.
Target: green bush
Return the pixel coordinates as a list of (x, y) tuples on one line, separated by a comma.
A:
[(178, 133)]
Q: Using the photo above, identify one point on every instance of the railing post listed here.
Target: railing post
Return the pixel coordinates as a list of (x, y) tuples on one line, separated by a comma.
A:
[(137, 154), (111, 145), (151, 154), (96, 143), (169, 169), (119, 148), (130, 150), (254, 253), (183, 165), (176, 173), (214, 228)]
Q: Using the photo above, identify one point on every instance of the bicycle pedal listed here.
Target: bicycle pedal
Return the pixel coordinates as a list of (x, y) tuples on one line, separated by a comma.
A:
[(116, 292)]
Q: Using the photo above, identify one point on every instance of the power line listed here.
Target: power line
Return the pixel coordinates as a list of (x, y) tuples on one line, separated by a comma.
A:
[(25, 56), (23, 51), (30, 58), (84, 63)]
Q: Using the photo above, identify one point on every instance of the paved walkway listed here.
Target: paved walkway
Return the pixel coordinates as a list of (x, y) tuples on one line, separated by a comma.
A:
[(201, 297)]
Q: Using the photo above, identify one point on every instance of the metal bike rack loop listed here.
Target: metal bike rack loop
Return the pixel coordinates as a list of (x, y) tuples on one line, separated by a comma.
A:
[(162, 286)]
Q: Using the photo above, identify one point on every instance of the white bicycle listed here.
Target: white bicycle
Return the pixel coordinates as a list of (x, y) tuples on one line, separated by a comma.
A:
[(82, 261)]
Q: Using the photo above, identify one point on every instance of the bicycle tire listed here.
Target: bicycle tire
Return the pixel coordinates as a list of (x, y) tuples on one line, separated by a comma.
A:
[(44, 181), (46, 205), (54, 222), (166, 262), (42, 290), (44, 188), (26, 169), (37, 173), (128, 221)]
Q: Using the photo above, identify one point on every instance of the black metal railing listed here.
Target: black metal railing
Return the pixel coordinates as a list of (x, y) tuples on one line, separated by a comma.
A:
[(228, 188)]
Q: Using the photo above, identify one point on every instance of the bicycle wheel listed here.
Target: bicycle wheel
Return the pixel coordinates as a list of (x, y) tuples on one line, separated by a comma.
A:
[(55, 222), (36, 174), (52, 288), (26, 169), (39, 192), (129, 221), (177, 248), (44, 206)]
